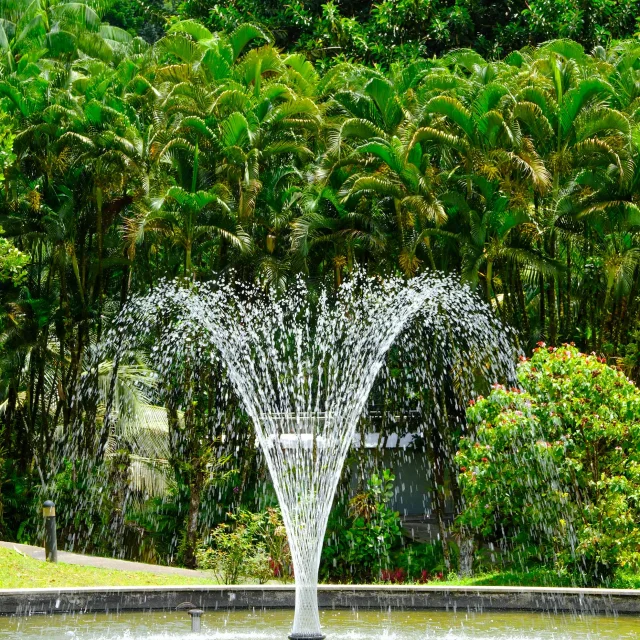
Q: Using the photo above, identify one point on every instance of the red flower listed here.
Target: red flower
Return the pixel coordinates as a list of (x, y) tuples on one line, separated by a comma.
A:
[(276, 568), (394, 576), (485, 459)]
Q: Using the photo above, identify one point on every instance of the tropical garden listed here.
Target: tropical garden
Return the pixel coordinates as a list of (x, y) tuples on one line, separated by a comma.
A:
[(142, 142)]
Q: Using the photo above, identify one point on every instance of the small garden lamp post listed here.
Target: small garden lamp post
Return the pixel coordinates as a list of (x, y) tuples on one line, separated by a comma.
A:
[(50, 537)]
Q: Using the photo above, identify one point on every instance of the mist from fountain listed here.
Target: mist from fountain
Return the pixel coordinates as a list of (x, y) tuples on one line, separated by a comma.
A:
[(304, 364)]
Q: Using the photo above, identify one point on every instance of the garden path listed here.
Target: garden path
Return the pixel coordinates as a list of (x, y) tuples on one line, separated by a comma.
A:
[(104, 563)]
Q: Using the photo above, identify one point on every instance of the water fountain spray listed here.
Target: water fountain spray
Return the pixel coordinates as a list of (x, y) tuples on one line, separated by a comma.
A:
[(304, 366)]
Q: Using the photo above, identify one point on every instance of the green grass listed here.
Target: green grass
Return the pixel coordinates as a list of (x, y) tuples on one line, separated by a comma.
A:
[(536, 578), (547, 578), (626, 580), (19, 572)]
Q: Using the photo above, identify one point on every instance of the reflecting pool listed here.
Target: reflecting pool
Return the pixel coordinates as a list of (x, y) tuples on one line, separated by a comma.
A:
[(337, 624)]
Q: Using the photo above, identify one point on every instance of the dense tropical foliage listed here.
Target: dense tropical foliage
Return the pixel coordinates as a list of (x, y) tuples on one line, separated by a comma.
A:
[(551, 472), (390, 30), (124, 162)]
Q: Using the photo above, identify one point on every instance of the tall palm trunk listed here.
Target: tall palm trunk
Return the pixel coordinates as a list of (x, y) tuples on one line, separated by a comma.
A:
[(490, 281), (439, 492), (567, 310), (439, 476), (98, 287), (196, 486), (542, 311), (551, 295)]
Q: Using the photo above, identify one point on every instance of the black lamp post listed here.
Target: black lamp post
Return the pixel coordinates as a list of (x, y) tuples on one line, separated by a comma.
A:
[(50, 537)]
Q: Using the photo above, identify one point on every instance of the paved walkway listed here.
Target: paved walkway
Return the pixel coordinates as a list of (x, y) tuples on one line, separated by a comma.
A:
[(104, 563)]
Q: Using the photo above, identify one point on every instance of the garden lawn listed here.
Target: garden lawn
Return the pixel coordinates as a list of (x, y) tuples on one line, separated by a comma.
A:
[(538, 578), (21, 572)]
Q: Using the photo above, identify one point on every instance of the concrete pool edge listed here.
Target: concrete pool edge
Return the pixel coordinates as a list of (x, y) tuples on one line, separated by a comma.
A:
[(223, 597)]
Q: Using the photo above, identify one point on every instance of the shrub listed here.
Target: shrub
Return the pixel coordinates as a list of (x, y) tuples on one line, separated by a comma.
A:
[(252, 546), (424, 562), (274, 538), (13, 262), (232, 549), (554, 470), (360, 548)]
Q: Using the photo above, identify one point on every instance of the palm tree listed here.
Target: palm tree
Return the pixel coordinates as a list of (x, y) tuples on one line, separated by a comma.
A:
[(369, 156), (574, 128), (329, 236), (57, 30)]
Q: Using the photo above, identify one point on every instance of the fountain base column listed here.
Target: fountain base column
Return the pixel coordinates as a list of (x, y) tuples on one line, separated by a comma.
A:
[(306, 620)]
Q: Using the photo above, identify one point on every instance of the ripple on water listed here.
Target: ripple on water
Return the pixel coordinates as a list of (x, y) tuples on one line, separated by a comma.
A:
[(338, 625)]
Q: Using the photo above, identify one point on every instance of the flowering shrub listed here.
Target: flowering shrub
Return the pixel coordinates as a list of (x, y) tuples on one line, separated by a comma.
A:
[(553, 470), (252, 546)]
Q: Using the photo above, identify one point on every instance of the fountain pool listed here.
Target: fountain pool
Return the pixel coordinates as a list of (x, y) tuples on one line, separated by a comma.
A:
[(341, 624)]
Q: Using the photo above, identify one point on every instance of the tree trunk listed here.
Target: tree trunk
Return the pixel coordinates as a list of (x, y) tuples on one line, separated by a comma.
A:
[(543, 314), (12, 400), (120, 467), (567, 311), (467, 551), (439, 491), (551, 293), (108, 413), (521, 300), (191, 538), (98, 287)]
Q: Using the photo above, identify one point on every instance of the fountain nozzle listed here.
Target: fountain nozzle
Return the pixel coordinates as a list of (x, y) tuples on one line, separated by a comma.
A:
[(196, 615)]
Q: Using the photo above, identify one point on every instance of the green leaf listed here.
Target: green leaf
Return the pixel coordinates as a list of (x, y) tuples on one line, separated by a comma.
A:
[(383, 94), (76, 15), (489, 98), (566, 48), (180, 47), (578, 98), (453, 109), (115, 34), (192, 28), (235, 131), (244, 34)]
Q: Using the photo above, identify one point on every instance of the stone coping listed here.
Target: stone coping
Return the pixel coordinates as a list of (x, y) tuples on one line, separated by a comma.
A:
[(409, 597), (346, 588)]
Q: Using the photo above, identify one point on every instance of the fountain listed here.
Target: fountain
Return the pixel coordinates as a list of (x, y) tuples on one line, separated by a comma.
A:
[(304, 366)]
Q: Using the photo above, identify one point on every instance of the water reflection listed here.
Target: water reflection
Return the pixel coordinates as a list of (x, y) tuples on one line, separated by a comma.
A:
[(338, 625)]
